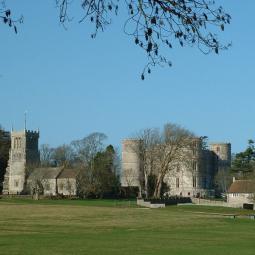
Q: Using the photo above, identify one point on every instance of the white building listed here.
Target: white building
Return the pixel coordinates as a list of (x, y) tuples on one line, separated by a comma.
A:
[(241, 194), (53, 181)]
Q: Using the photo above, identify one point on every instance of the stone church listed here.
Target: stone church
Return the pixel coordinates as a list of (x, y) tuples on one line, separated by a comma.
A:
[(23, 174), (195, 179)]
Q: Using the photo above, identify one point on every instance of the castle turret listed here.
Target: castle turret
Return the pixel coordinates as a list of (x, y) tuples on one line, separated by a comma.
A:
[(23, 153), (130, 163), (223, 151)]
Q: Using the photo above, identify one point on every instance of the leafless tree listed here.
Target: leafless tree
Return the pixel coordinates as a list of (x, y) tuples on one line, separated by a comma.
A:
[(154, 25), (223, 180), (173, 149), (88, 183), (87, 148), (34, 183), (149, 138), (46, 153), (162, 153), (6, 16), (63, 155)]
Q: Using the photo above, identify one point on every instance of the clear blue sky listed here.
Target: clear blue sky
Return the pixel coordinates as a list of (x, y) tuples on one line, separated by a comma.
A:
[(72, 85)]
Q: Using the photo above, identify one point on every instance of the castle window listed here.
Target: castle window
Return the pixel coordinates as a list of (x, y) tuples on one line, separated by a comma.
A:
[(177, 182), (15, 142), (204, 182), (194, 181), (194, 148), (16, 183), (194, 165), (218, 149)]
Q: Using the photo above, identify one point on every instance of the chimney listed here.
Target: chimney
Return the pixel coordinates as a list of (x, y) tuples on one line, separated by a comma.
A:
[(234, 178)]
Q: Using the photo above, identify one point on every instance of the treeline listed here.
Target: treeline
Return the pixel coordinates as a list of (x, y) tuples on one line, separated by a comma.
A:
[(99, 164)]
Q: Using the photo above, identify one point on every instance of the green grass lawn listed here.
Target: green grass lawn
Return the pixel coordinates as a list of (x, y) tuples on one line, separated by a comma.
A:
[(119, 227)]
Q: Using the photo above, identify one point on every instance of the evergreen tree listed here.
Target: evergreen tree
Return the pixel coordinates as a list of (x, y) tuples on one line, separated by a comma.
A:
[(244, 163)]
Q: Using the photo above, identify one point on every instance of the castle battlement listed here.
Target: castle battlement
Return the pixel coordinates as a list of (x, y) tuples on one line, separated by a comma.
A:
[(32, 132)]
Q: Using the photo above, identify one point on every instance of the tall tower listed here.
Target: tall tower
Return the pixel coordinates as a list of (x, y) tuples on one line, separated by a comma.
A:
[(24, 152), (130, 176), (223, 151)]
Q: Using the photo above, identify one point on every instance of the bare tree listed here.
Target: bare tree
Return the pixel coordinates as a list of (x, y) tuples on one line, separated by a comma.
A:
[(173, 149), (63, 155), (34, 182), (223, 180), (149, 139), (153, 24), (46, 154), (6, 17), (87, 148), (161, 154)]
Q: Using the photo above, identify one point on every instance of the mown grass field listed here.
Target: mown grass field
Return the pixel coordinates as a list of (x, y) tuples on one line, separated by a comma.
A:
[(119, 227)]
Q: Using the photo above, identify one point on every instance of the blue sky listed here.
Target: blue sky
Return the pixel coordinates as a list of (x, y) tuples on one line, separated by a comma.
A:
[(71, 85)]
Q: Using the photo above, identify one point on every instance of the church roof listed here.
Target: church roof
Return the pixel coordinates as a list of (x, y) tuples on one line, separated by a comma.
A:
[(242, 186), (45, 173), (69, 173)]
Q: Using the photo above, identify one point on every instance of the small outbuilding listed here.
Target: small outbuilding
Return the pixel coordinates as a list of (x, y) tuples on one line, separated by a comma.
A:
[(67, 182), (241, 194)]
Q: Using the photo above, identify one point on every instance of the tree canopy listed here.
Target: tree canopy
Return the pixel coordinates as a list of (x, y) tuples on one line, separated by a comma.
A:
[(153, 25), (244, 162)]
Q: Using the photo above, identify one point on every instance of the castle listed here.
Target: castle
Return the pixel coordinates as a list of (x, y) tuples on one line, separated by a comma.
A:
[(195, 179)]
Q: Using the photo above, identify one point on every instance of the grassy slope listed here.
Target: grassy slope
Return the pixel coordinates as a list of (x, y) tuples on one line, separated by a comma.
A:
[(110, 227)]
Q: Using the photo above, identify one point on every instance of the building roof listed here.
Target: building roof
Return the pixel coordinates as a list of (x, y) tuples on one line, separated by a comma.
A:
[(242, 186), (45, 173), (69, 173)]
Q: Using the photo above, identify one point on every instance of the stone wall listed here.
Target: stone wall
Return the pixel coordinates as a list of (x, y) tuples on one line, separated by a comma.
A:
[(199, 201), (148, 204)]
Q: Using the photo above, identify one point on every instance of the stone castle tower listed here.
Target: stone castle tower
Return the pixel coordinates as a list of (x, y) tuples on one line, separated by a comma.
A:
[(130, 163), (223, 152), (24, 152)]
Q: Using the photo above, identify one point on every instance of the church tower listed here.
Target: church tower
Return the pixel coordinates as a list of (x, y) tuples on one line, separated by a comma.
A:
[(24, 152)]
